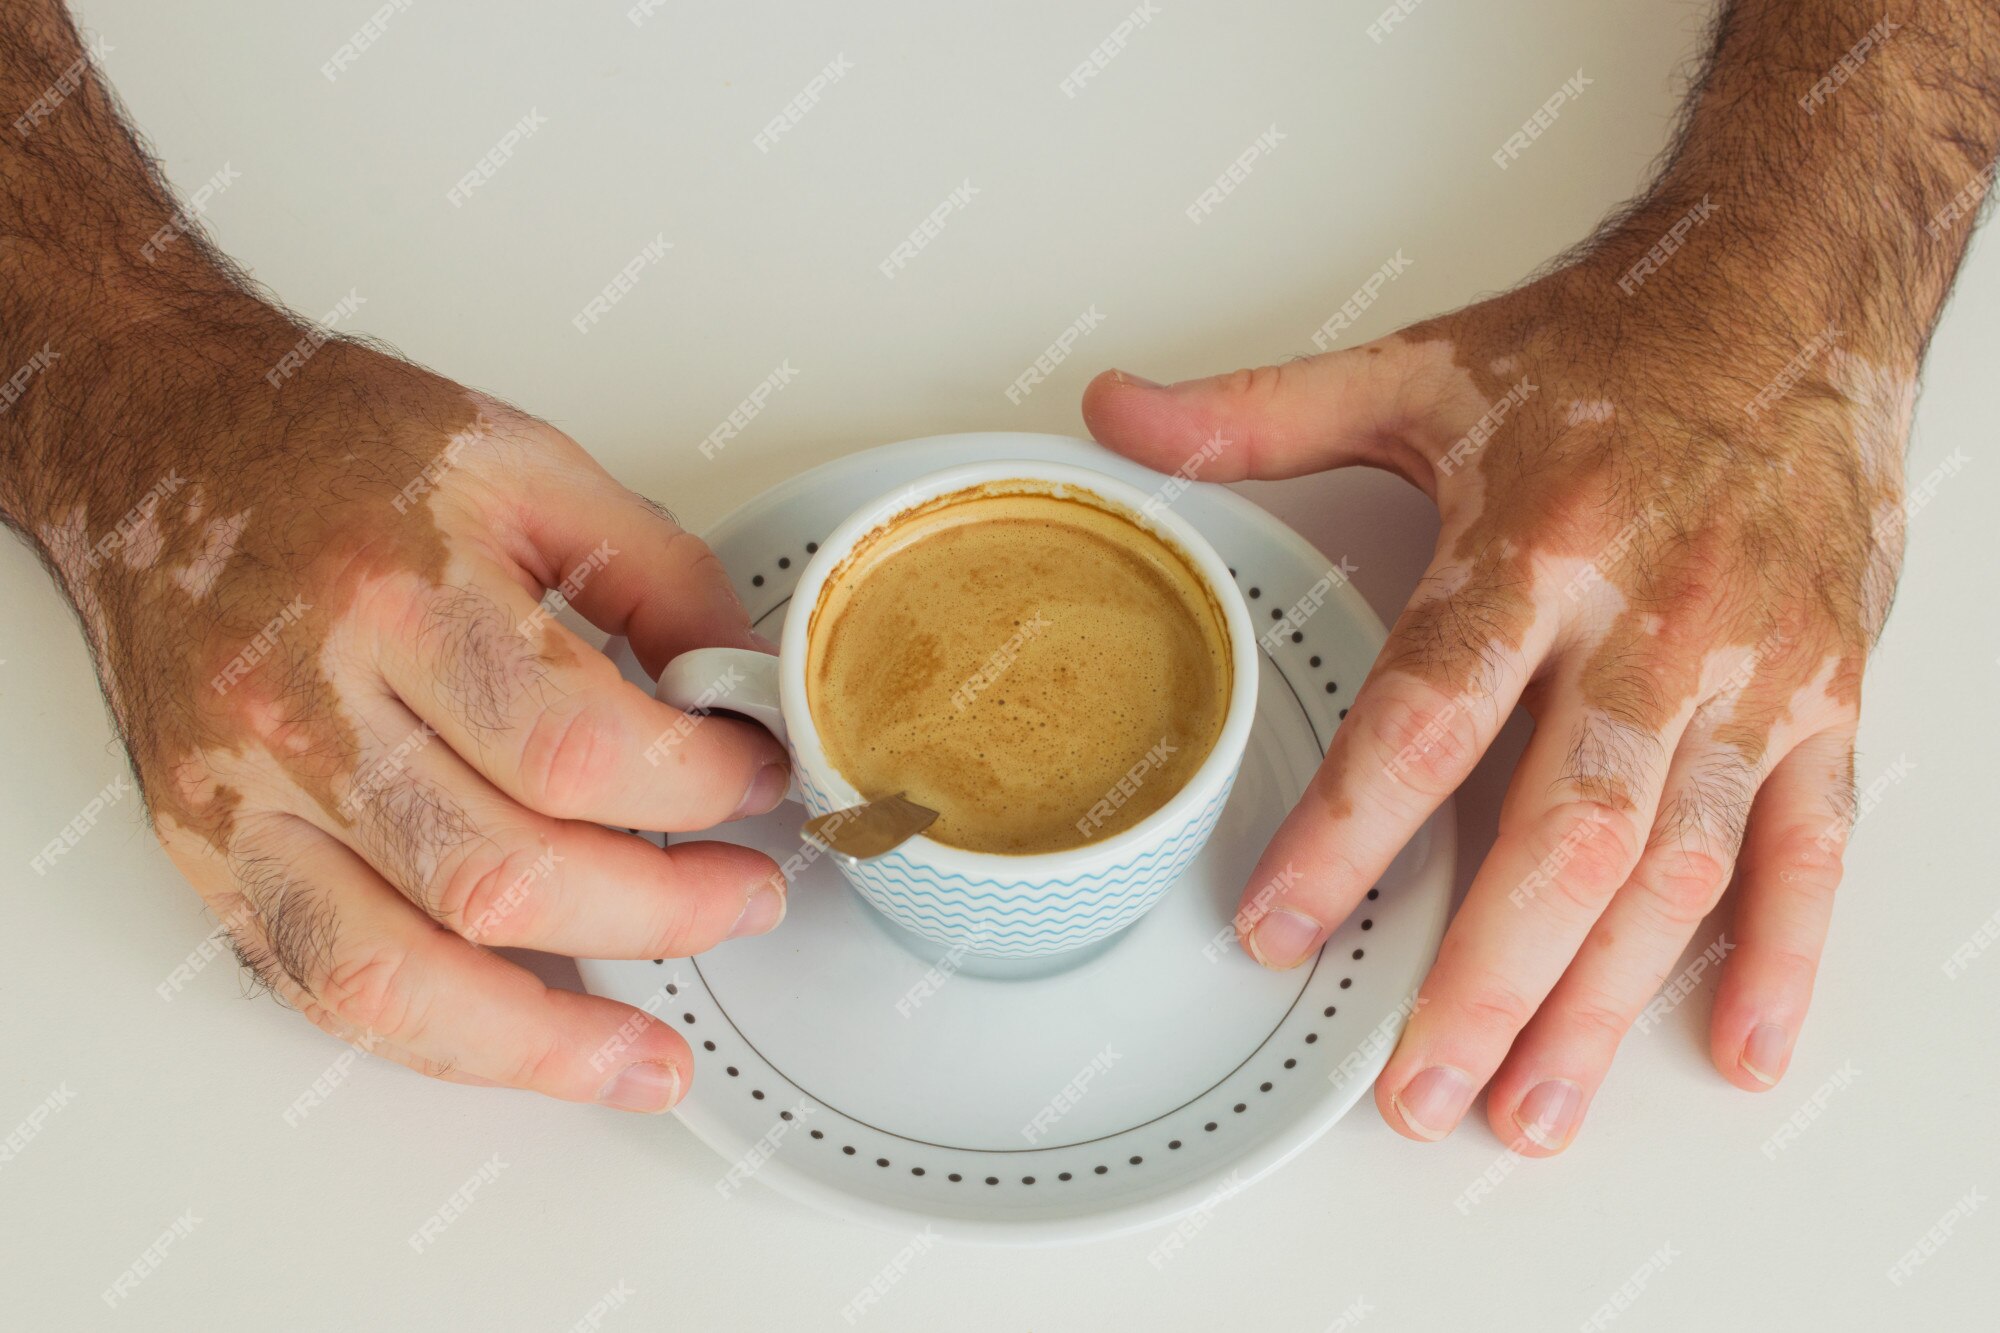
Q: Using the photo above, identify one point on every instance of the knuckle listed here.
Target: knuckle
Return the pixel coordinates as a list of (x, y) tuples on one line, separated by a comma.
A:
[(690, 549), (1338, 873), (680, 930), (1493, 1009), (1428, 740), (1807, 862), (1596, 1019), (1588, 850), (1253, 385), (539, 1062), (559, 760), (1684, 882), (486, 888), (373, 992), (395, 606), (325, 1020), (1795, 968), (703, 567)]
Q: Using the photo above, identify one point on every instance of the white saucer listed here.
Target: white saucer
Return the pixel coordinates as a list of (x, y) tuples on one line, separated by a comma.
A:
[(838, 1066)]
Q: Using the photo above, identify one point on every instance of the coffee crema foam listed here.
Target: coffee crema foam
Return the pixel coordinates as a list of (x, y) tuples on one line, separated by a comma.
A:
[(1031, 663)]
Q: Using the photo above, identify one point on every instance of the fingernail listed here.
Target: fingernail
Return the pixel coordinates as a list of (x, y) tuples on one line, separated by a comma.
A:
[(1433, 1101), (652, 1087), (761, 914), (1547, 1115), (766, 790), (1764, 1054), (1283, 939), (1127, 377)]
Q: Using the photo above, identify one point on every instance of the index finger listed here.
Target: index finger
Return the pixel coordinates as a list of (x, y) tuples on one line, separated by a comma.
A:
[(550, 721), (1431, 706)]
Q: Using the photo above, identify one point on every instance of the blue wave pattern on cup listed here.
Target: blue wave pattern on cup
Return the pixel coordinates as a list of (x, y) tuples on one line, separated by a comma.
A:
[(1002, 918), (1003, 907)]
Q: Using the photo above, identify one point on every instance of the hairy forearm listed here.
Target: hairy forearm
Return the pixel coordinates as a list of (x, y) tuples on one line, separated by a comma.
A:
[(1834, 154), (75, 188), (99, 271)]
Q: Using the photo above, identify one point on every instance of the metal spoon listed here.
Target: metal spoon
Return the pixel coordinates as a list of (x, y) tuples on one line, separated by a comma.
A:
[(871, 828)]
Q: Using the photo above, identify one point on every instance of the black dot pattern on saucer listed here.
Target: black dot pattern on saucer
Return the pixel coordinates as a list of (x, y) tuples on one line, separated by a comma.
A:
[(783, 562), (1283, 1051), (1315, 661)]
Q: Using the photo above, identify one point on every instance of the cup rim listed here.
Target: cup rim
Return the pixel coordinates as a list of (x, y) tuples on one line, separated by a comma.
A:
[(1152, 512)]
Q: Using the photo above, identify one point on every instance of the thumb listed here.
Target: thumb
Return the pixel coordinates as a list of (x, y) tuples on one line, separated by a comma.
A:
[(1285, 420)]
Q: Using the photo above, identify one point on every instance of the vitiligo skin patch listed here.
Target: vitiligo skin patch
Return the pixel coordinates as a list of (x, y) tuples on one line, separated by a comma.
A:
[(1669, 472), (314, 601), (1670, 478)]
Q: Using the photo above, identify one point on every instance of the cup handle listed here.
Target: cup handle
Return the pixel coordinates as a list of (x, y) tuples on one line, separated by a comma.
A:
[(739, 680)]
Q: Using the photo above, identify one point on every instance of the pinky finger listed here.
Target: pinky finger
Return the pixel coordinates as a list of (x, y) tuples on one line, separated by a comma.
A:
[(1790, 867), (367, 1043), (366, 965), (252, 942), (250, 938)]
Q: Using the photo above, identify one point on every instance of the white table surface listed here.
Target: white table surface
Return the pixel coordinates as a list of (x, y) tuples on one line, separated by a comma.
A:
[(177, 1106)]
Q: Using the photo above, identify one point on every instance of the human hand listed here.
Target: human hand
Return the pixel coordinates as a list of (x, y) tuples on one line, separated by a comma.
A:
[(361, 735), (1675, 549)]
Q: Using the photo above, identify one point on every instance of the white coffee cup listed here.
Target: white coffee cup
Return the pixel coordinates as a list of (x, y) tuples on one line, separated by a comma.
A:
[(987, 904)]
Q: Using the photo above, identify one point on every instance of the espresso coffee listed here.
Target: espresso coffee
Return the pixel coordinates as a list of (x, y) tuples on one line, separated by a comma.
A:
[(1027, 661)]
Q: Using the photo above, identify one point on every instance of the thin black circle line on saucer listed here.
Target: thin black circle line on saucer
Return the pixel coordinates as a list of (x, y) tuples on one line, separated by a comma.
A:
[(1265, 1041), (745, 531), (1004, 1152), (782, 603)]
